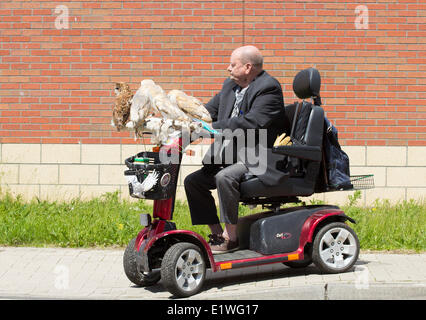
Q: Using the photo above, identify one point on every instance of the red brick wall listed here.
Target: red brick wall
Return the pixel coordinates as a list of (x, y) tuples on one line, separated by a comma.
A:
[(56, 85)]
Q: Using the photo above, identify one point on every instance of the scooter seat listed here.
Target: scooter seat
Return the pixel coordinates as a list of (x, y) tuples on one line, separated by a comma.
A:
[(293, 186)]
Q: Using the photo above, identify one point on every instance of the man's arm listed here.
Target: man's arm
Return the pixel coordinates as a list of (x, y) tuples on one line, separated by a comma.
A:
[(265, 108)]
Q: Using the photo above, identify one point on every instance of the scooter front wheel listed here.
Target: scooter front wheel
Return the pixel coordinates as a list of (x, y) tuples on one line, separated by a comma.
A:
[(183, 269), (132, 272)]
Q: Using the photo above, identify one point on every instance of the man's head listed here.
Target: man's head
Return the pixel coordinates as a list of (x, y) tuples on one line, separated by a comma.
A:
[(246, 63)]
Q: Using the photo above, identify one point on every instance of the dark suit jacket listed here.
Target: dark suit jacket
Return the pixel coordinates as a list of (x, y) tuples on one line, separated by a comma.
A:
[(261, 108)]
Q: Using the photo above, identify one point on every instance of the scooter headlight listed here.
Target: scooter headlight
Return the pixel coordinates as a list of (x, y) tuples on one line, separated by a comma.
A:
[(145, 219)]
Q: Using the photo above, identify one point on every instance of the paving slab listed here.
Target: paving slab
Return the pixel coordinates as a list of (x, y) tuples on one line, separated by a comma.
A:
[(62, 273)]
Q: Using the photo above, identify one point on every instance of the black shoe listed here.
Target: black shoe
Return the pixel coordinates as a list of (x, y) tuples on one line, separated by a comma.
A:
[(214, 239), (224, 246)]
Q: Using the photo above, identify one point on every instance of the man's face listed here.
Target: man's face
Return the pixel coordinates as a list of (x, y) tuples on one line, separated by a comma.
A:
[(238, 71)]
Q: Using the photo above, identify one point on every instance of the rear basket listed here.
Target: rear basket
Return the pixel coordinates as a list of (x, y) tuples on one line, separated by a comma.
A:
[(356, 182), (360, 182), (151, 179)]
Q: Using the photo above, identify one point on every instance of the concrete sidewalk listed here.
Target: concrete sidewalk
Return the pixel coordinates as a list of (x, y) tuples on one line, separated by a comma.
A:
[(54, 273)]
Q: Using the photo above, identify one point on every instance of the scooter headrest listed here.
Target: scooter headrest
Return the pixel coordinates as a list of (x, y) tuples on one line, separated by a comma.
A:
[(307, 83)]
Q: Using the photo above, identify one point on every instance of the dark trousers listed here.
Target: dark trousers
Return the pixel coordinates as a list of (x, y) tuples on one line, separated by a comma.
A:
[(198, 186)]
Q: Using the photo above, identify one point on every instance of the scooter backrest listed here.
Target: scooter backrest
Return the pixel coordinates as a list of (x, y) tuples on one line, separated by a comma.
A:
[(309, 123), (308, 126), (307, 84), (315, 127)]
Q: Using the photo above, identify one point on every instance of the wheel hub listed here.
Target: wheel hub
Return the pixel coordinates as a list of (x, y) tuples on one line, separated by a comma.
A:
[(337, 248), (189, 270)]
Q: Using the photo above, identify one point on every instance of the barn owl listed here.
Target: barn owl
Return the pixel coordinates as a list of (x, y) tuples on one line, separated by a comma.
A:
[(190, 105), (153, 111), (141, 105)]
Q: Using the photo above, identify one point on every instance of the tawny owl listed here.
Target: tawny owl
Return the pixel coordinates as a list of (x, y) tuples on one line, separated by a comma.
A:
[(122, 104)]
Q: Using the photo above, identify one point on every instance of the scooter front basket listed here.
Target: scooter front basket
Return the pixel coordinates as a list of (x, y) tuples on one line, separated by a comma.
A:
[(149, 178)]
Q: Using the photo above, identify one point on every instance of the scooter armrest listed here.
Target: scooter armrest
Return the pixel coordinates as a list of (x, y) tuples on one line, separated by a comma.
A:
[(300, 151)]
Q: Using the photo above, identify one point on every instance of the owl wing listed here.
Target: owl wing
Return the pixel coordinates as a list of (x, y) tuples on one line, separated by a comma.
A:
[(168, 110), (142, 106), (139, 106), (115, 115), (193, 107), (127, 104)]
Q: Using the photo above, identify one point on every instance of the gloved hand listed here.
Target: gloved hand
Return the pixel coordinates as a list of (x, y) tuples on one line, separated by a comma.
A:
[(205, 126), (283, 140)]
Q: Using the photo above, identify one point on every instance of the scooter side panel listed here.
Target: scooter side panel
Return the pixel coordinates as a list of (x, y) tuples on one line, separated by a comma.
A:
[(280, 232), (234, 262), (306, 235), (311, 223)]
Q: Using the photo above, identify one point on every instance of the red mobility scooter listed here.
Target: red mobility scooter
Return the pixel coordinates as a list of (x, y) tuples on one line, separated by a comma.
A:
[(296, 236)]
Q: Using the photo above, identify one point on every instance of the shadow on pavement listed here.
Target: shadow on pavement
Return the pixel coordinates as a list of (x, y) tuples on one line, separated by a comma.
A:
[(220, 280)]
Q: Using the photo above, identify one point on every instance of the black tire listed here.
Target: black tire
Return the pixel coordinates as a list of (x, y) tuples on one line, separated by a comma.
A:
[(191, 260), (132, 272), (335, 252)]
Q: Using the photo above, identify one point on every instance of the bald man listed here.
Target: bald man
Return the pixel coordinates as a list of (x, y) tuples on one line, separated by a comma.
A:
[(249, 99)]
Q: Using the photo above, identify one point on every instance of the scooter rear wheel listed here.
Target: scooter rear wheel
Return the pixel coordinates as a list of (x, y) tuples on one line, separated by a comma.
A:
[(335, 248), (183, 269), (143, 279)]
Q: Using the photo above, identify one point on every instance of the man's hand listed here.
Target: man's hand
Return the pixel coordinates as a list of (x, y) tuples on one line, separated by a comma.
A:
[(205, 126)]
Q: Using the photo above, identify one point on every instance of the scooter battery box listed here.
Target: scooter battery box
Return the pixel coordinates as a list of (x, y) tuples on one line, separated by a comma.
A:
[(279, 232)]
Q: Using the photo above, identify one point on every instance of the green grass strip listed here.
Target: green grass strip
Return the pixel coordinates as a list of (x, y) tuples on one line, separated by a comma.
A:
[(108, 221)]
